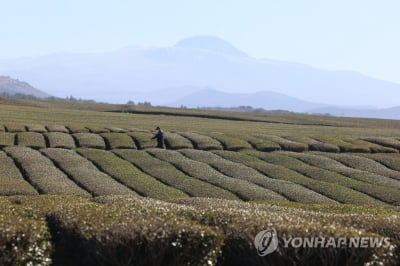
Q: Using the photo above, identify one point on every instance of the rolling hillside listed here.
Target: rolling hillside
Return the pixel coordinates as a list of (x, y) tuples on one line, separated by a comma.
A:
[(222, 178)]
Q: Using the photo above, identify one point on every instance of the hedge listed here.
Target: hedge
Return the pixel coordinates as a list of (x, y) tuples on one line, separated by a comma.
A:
[(242, 188), (60, 140), (175, 141), (368, 177), (287, 168), (129, 175), (42, 174), (143, 140), (7, 139), (290, 190), (312, 169), (89, 140), (384, 141), (364, 164), (202, 142), (344, 146), (97, 130), (23, 240), (37, 128), (11, 180), (31, 139), (314, 145), (78, 129), (168, 174), (229, 142), (84, 173), (259, 142), (117, 129), (118, 141), (57, 128), (15, 128)]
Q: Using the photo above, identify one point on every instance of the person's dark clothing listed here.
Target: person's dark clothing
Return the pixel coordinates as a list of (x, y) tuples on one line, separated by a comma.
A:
[(160, 139)]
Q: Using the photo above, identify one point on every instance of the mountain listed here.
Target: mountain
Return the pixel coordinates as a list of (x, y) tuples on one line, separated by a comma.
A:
[(267, 99), (210, 43), (386, 113), (15, 86), (203, 62)]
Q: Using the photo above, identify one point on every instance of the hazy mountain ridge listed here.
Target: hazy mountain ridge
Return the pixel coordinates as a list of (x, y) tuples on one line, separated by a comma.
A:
[(139, 74), (266, 99), (12, 86)]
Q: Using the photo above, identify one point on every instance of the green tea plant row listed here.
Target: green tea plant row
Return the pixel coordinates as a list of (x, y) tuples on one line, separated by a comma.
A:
[(289, 189), (239, 186), (129, 175), (126, 230), (168, 174), (84, 173), (42, 173), (291, 169), (11, 180), (311, 165), (114, 137), (361, 175)]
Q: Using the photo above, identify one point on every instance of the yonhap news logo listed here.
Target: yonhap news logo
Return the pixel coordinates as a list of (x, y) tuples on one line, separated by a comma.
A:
[(267, 241)]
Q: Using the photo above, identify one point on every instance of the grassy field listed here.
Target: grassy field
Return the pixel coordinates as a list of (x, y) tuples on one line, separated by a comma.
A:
[(84, 184)]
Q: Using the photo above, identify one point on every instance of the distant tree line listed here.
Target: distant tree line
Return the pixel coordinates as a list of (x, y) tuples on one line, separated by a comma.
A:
[(51, 98)]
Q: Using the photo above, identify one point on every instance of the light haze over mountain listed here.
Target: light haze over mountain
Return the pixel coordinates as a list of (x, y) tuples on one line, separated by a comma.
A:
[(167, 74)]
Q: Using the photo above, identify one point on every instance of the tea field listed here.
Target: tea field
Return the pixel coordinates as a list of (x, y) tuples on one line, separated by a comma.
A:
[(83, 184)]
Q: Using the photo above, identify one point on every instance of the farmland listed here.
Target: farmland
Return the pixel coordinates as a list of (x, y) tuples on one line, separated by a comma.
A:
[(223, 177)]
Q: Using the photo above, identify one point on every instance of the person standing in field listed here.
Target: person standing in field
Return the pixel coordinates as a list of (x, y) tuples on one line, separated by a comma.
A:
[(160, 138)]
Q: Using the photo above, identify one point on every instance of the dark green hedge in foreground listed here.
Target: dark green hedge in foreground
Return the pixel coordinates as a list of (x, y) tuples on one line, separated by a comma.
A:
[(129, 230)]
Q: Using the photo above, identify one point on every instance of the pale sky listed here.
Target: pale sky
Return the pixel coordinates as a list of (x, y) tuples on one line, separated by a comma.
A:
[(359, 35)]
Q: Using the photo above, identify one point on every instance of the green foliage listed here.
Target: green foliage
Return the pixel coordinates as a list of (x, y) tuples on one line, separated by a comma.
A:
[(118, 141), (15, 128), (286, 144), (175, 141), (60, 140), (77, 129), (7, 139), (117, 129), (369, 177), (391, 161), (331, 190), (84, 173), (98, 129), (202, 142), (344, 146), (276, 178), (364, 164), (385, 141), (57, 128), (314, 145), (41, 172), (31, 139), (315, 170), (23, 240), (259, 142), (242, 188), (89, 140), (36, 128), (11, 180), (373, 147), (129, 175), (168, 174), (143, 140), (146, 234), (229, 142)]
